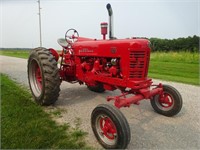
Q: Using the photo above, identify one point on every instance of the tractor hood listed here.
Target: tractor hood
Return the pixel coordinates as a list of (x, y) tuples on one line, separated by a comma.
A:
[(108, 48)]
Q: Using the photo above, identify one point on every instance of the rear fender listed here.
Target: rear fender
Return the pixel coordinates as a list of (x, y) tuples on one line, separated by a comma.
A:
[(54, 53)]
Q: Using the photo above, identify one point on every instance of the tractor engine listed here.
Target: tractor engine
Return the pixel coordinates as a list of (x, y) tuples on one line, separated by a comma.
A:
[(118, 63), (113, 63), (107, 66)]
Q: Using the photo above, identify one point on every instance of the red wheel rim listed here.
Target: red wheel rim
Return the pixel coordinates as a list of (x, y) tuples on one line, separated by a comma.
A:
[(35, 78), (108, 128), (166, 101), (38, 76)]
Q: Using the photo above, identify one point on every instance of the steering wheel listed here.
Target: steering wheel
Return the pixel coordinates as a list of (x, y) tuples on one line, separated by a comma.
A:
[(71, 35)]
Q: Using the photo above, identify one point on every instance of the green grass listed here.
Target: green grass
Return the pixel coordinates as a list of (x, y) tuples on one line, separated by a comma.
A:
[(179, 57), (175, 66), (15, 53), (24, 125)]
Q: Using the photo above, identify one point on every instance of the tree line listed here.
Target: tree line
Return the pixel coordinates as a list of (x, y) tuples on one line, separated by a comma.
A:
[(180, 44)]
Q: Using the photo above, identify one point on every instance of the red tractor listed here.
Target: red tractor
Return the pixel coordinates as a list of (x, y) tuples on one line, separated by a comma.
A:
[(106, 64)]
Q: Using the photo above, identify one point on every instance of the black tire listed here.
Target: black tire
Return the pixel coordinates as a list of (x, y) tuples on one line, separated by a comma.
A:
[(116, 123), (97, 88), (43, 76), (174, 104)]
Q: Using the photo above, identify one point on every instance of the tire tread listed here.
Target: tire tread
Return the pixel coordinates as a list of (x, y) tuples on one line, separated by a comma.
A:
[(122, 122), (50, 73)]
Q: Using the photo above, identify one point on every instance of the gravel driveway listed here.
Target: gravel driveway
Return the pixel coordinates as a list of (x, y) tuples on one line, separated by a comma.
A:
[(149, 130)]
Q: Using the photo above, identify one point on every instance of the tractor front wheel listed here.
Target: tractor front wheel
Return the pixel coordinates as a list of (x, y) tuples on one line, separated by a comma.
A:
[(43, 76), (110, 127), (169, 103)]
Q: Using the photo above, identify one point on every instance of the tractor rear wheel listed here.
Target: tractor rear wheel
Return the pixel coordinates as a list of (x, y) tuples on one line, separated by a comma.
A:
[(169, 104), (43, 76), (110, 127), (97, 88)]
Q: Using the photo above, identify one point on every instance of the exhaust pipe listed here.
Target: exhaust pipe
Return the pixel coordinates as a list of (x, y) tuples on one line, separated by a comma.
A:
[(110, 13)]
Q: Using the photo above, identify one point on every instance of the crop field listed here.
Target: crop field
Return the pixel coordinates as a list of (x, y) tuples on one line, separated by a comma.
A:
[(172, 66)]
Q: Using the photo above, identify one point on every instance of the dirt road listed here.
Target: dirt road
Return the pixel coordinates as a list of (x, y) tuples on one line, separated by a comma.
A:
[(149, 130)]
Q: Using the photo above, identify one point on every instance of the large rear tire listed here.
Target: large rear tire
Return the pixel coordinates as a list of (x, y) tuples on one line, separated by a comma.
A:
[(43, 76), (110, 127)]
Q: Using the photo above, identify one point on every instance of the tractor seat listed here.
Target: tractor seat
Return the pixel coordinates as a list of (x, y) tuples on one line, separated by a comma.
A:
[(63, 42)]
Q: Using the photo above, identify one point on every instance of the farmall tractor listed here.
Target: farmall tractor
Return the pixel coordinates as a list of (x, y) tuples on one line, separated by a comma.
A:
[(106, 64)]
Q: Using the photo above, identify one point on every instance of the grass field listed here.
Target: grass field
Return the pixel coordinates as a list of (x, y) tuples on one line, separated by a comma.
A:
[(173, 66), (24, 125), (15, 53)]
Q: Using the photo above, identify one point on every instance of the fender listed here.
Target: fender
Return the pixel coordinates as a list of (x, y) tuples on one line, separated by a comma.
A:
[(54, 53)]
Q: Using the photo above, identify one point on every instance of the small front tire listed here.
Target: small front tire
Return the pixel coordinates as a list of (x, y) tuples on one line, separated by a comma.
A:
[(110, 127), (170, 104)]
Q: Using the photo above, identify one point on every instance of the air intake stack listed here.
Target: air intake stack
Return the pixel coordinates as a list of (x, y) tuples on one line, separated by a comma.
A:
[(104, 26)]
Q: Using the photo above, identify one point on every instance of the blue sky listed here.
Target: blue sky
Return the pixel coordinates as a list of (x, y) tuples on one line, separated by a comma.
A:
[(170, 19)]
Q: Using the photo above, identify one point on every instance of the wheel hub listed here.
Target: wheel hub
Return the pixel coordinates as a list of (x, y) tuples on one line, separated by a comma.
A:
[(166, 101), (108, 128), (35, 78), (38, 76)]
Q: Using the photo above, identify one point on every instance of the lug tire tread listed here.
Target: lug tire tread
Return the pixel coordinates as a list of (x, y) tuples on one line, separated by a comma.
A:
[(50, 73)]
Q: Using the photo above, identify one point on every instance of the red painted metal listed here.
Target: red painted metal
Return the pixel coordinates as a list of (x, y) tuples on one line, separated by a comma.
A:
[(166, 100), (108, 128), (54, 53), (123, 101), (117, 64), (67, 69), (104, 28), (38, 76)]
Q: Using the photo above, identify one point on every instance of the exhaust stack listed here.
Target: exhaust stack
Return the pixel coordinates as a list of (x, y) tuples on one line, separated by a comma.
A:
[(110, 13)]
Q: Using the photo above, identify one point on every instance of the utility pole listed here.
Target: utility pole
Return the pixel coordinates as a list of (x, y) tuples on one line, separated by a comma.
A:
[(40, 23)]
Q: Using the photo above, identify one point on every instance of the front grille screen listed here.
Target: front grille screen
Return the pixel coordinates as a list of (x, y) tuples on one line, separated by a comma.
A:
[(137, 64)]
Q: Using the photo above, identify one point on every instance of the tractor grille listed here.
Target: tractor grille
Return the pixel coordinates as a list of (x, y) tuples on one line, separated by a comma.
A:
[(137, 68)]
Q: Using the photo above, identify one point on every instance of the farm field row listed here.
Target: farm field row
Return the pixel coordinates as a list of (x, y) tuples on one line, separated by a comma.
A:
[(172, 66)]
